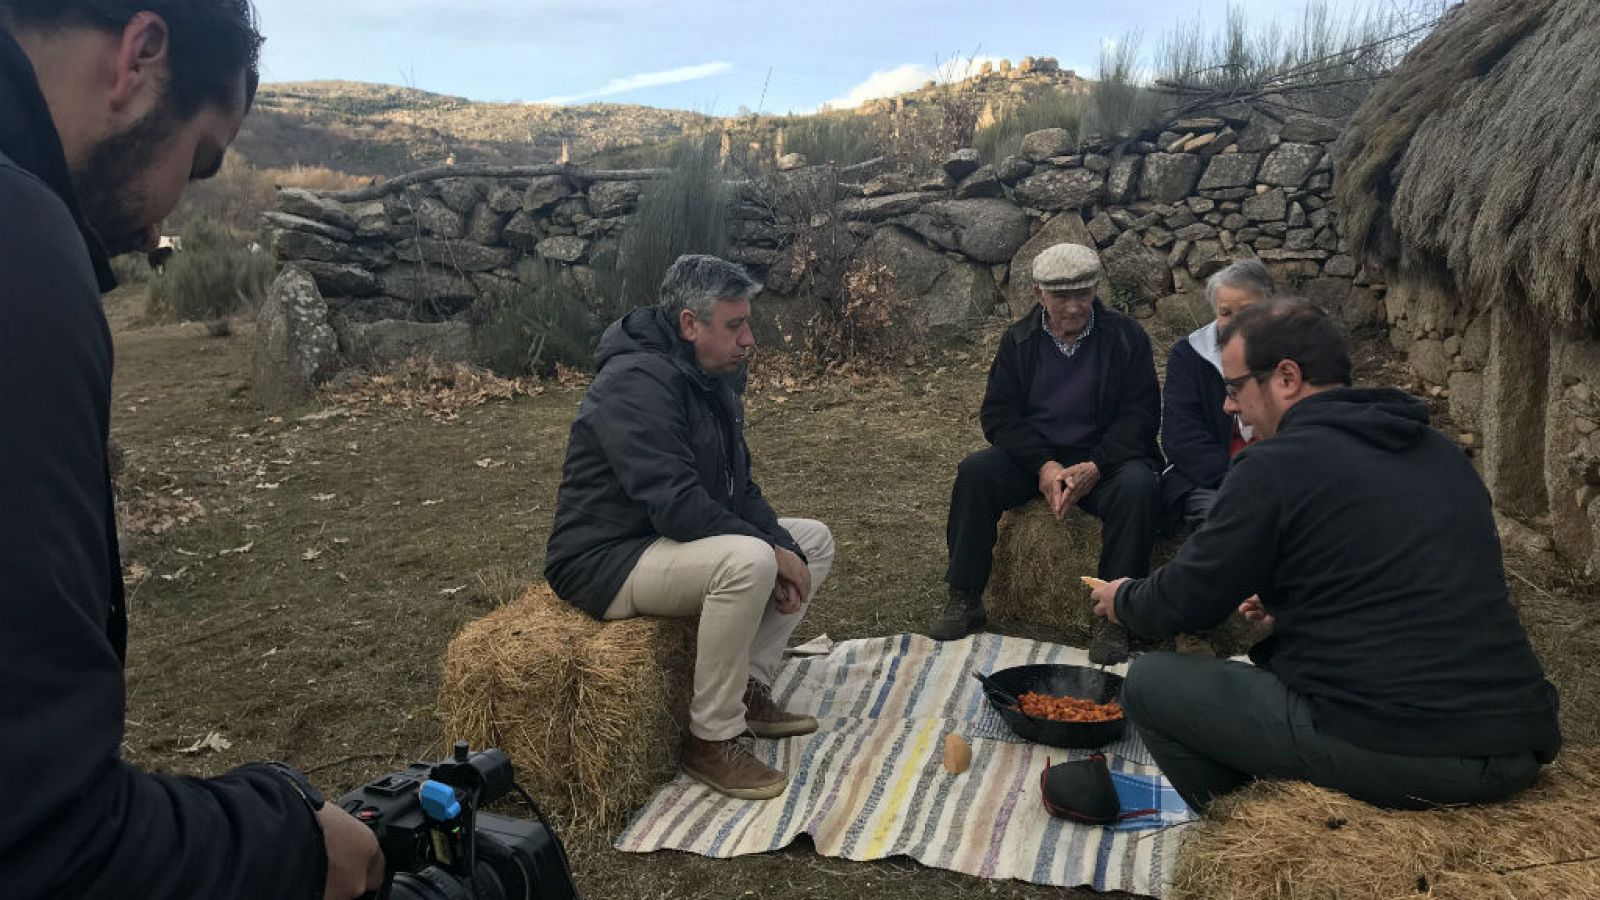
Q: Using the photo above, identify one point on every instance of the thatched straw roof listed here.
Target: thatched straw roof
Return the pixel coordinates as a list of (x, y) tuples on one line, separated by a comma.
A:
[(1479, 160)]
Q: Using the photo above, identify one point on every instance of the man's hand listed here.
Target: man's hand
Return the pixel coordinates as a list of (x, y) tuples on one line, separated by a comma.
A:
[(1105, 600), (1053, 485), (355, 864), (1254, 612), (1081, 479), (794, 581)]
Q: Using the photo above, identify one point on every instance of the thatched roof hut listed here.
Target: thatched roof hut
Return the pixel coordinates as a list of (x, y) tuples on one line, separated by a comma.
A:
[(1479, 159), (1470, 182)]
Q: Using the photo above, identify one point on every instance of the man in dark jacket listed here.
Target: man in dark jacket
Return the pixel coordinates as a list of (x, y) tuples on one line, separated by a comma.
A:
[(107, 110), (1071, 411), (658, 515), (1397, 671)]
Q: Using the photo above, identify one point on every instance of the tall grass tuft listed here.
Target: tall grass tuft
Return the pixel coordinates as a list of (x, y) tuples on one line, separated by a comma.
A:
[(1003, 137), (686, 212), (215, 276), (844, 139), (1121, 104), (530, 329)]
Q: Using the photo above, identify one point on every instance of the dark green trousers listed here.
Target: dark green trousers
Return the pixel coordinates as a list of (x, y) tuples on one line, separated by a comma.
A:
[(1214, 726)]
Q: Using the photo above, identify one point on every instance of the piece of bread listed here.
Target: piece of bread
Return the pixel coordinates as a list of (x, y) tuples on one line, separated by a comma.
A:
[(1091, 582), (957, 754)]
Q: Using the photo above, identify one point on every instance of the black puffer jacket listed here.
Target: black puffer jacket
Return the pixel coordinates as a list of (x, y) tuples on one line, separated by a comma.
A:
[(1129, 405), (657, 450), (78, 821)]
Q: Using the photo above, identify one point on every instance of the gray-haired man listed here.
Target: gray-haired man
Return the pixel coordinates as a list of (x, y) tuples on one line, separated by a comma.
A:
[(658, 515)]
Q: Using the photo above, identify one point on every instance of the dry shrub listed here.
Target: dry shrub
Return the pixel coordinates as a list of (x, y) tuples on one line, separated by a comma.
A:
[(315, 178), (1289, 840), (592, 713), (215, 276)]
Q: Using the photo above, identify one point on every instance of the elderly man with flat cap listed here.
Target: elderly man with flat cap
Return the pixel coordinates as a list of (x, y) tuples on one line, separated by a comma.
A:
[(1071, 413)]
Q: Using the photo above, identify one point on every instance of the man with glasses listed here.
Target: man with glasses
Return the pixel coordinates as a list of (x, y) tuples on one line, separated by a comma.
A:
[(1070, 411), (1397, 671)]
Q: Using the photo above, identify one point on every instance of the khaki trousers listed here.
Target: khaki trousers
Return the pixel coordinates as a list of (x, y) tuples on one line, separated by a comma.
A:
[(727, 581)]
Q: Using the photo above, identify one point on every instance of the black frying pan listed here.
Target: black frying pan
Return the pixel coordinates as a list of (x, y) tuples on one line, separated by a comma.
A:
[(1003, 687)]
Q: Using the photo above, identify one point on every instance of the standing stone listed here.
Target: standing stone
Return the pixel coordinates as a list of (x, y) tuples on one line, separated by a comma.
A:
[(296, 348), (1340, 267), (1290, 164), (986, 230), (1048, 142), (1310, 129), (523, 231), (1066, 228), (1230, 170), (1169, 177), (1122, 179), (463, 255), (1055, 189), (371, 219), (1206, 258), (1136, 270)]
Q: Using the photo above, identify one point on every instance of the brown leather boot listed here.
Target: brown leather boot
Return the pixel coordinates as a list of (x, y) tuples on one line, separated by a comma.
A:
[(764, 718), (726, 766), (962, 615)]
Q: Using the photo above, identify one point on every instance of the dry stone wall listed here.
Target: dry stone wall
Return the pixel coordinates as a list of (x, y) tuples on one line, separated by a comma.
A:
[(956, 247)]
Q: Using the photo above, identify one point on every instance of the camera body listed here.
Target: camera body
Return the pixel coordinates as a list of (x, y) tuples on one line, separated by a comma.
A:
[(438, 845)]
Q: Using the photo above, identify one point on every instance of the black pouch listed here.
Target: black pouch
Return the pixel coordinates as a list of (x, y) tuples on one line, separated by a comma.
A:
[(1082, 791)]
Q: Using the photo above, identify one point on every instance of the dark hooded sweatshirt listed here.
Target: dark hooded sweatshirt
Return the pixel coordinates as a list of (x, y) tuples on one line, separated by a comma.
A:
[(77, 822), (1371, 540), (657, 450)]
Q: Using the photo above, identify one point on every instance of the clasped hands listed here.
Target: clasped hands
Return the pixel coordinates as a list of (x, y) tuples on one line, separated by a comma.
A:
[(794, 581), (1063, 486)]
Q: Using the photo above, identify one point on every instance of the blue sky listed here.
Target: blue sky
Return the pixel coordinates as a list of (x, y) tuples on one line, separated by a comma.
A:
[(701, 55)]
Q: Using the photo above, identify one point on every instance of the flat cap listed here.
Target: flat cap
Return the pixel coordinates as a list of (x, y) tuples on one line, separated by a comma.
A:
[(1066, 267)]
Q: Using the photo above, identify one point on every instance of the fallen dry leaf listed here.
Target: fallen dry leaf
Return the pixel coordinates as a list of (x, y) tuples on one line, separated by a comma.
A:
[(243, 548), (311, 554), (213, 741), (451, 592), (323, 498)]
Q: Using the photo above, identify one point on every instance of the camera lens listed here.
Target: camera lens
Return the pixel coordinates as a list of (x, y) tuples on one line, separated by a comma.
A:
[(433, 884)]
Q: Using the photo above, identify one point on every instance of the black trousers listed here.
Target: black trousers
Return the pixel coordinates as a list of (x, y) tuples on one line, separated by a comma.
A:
[(1127, 503), (1214, 726)]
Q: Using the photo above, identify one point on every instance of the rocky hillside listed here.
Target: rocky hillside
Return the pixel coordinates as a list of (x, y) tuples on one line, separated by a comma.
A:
[(374, 129)]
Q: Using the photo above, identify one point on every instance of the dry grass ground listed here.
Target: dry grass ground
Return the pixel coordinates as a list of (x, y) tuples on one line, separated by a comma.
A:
[(294, 581)]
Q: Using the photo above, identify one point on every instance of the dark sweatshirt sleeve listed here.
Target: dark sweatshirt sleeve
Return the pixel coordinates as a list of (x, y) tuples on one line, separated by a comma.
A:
[(1231, 557), (1132, 433), (645, 436), (1187, 434), (79, 822), (1004, 413)]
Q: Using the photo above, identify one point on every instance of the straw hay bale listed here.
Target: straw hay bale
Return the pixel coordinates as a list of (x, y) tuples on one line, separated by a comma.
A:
[(1292, 841), (592, 713), (1037, 564)]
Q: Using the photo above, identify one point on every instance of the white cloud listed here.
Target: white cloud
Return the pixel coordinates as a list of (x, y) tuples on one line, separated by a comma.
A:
[(909, 77), (646, 80)]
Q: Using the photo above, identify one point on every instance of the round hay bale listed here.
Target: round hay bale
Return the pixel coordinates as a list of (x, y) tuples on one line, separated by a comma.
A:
[(591, 713), (1292, 841)]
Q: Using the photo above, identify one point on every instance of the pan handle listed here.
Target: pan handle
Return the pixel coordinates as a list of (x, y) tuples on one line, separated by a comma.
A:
[(995, 689)]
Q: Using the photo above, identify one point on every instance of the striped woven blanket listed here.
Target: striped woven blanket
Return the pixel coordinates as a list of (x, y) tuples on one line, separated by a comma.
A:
[(871, 784)]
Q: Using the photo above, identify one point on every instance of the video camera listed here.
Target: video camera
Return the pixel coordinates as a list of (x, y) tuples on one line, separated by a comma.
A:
[(437, 845)]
